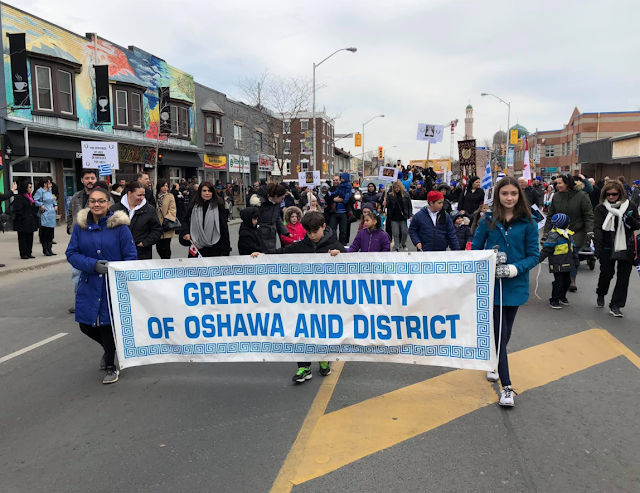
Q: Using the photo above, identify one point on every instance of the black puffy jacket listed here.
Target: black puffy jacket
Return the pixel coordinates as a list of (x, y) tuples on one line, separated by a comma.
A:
[(145, 228), (249, 237)]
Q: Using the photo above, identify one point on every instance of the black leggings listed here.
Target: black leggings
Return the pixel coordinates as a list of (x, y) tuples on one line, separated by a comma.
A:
[(163, 247), (46, 235), (508, 317), (103, 335)]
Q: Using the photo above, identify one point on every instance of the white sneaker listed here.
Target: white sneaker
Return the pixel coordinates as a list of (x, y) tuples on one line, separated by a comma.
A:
[(506, 398), (493, 376)]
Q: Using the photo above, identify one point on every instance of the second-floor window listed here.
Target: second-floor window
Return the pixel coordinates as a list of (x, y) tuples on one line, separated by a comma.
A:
[(237, 136), (286, 127), (549, 151), (53, 88), (287, 147), (180, 125), (258, 139), (128, 108), (122, 109), (304, 125), (213, 127)]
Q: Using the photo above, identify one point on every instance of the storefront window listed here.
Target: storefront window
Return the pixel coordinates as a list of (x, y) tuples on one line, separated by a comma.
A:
[(32, 170)]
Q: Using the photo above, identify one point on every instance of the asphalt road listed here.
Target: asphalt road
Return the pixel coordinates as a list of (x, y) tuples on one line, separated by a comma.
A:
[(228, 427)]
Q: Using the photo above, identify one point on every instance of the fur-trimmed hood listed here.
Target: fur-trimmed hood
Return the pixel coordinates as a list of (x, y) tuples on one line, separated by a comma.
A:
[(118, 218)]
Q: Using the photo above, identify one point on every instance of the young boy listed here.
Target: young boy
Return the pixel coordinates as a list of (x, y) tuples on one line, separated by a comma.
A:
[(319, 239), (563, 258), (432, 229), (249, 237), (463, 231)]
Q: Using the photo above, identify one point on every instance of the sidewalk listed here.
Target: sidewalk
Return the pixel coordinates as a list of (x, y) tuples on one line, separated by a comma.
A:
[(10, 256)]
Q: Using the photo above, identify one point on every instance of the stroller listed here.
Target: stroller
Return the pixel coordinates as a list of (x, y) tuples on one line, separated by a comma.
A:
[(588, 253)]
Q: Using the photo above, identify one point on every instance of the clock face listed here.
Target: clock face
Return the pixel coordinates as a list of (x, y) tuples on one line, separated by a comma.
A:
[(466, 153)]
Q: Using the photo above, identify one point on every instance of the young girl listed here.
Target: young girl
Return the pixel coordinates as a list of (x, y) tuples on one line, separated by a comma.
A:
[(292, 217), (371, 238), (367, 208), (511, 227)]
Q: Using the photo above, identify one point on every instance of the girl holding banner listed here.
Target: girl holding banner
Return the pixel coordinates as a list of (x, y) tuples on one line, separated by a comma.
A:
[(511, 228)]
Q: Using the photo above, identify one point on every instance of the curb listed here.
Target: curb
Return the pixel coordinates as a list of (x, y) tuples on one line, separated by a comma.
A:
[(12, 270)]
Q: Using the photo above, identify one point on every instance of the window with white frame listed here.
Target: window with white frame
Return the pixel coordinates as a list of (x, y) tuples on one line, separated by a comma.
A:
[(122, 109), (136, 110), (324, 128), (569, 148), (286, 126), (304, 165), (304, 125), (563, 149), (32, 171), (43, 87), (287, 147), (577, 140), (180, 123), (237, 136), (549, 151), (65, 88)]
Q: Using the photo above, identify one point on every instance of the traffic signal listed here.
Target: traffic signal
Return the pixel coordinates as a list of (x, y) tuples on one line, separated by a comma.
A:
[(380, 153), (299, 168), (358, 140), (159, 157)]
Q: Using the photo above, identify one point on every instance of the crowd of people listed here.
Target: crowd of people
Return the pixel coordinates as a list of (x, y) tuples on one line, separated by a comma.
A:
[(125, 221)]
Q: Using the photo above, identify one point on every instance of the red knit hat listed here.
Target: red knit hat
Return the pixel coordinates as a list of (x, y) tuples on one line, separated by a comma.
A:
[(434, 196)]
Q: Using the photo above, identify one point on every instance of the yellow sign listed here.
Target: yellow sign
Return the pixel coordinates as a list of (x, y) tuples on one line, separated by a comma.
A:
[(358, 142), (325, 167), (436, 164), (380, 153), (215, 162), (513, 138), (420, 163)]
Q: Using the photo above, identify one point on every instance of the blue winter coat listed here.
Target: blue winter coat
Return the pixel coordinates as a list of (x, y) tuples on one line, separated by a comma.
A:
[(434, 238), (111, 240), (48, 217), (520, 243)]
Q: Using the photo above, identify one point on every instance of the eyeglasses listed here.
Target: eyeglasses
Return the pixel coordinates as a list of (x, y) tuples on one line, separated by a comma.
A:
[(614, 194), (101, 201)]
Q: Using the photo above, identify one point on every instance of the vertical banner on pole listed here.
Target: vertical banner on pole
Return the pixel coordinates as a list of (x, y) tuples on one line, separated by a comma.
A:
[(103, 108), (19, 76)]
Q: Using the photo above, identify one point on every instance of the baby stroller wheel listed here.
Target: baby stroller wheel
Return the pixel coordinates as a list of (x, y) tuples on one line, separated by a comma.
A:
[(591, 263)]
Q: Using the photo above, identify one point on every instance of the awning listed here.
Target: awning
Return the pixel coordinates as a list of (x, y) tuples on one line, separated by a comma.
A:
[(177, 159), (45, 146)]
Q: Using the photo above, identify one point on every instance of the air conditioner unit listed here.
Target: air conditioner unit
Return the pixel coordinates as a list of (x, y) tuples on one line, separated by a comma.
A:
[(220, 140)]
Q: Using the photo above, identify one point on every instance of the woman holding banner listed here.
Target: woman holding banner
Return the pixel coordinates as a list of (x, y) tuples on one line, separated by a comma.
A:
[(99, 236), (511, 228), (206, 225)]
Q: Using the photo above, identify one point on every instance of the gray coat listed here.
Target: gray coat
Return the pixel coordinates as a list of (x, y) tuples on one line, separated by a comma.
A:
[(78, 202)]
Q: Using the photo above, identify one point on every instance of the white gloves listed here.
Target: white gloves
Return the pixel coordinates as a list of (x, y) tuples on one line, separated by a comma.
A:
[(509, 271)]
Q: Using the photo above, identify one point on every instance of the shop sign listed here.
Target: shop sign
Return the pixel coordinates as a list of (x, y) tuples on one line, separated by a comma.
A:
[(215, 162), (239, 164), (265, 162), (137, 155)]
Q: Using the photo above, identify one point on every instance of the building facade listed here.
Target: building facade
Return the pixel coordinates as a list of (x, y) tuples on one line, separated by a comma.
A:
[(613, 157), (42, 134)]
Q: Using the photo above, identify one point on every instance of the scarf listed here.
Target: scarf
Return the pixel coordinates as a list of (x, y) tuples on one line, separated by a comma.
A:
[(616, 210), (159, 200), (125, 202), (207, 234), (29, 198)]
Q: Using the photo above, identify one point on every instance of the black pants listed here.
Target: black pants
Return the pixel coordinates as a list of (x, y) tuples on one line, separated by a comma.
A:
[(508, 317), (46, 235), (305, 364), (163, 247), (607, 271), (340, 220), (560, 285), (103, 335), (25, 243)]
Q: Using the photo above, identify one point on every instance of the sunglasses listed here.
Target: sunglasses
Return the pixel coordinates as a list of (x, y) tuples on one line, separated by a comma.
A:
[(614, 194)]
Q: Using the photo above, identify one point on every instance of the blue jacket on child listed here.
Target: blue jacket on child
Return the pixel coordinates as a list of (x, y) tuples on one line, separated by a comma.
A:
[(110, 240), (520, 243), (434, 237)]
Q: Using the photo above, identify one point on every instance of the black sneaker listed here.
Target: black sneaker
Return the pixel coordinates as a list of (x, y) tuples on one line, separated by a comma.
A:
[(615, 311), (600, 301), (110, 375), (564, 301), (72, 309), (325, 368), (303, 374), (555, 305), (103, 364)]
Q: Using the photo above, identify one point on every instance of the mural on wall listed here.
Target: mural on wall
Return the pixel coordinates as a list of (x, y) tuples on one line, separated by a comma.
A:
[(128, 66)]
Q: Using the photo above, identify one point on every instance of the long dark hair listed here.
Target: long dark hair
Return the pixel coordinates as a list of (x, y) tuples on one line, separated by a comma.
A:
[(521, 209), (42, 181), (215, 201), (161, 183), (23, 186), (470, 184)]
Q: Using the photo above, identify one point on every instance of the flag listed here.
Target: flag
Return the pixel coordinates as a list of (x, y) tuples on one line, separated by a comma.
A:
[(526, 168), (487, 183), (193, 250)]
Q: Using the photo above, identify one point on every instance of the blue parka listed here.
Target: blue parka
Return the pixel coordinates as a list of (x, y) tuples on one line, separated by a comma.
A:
[(45, 197), (110, 240), (434, 238), (520, 243)]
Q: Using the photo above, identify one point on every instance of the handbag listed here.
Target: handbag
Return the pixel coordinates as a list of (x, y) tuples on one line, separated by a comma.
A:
[(169, 225)]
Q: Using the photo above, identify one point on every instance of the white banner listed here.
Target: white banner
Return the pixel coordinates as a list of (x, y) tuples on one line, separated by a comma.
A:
[(432, 308), (96, 154)]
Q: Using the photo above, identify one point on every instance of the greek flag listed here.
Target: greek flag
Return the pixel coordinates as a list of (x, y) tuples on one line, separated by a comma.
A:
[(487, 179)]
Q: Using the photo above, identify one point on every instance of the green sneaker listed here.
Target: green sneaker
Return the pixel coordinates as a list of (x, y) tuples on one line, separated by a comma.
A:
[(303, 374), (325, 368)]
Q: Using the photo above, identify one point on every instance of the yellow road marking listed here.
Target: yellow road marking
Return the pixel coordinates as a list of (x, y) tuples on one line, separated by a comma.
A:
[(624, 350), (282, 483), (329, 442)]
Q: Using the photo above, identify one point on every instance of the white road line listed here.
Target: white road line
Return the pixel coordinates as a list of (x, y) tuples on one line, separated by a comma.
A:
[(33, 346)]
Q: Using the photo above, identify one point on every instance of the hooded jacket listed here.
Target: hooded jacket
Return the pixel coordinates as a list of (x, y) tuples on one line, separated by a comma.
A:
[(109, 239), (370, 241), (328, 242), (561, 251), (145, 227), (434, 237), (343, 191), (576, 205), (249, 237), (520, 243), (269, 220)]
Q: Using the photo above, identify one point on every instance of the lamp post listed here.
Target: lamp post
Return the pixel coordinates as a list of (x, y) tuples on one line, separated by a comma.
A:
[(352, 50), (377, 116), (506, 157)]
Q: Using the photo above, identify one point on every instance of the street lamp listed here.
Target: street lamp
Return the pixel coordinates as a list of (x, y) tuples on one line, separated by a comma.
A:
[(377, 116), (508, 122), (352, 50)]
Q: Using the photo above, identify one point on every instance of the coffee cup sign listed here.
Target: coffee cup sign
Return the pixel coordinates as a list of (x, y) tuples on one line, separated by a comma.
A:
[(20, 85)]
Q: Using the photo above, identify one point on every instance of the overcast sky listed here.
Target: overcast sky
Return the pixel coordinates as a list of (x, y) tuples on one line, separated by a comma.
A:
[(419, 61)]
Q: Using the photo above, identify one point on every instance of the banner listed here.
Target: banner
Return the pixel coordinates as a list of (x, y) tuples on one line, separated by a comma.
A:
[(388, 173), (432, 308), (307, 144), (164, 109), (19, 77), (103, 108), (430, 133), (467, 152), (309, 179)]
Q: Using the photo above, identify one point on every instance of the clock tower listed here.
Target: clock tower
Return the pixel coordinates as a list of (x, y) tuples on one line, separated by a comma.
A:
[(468, 123)]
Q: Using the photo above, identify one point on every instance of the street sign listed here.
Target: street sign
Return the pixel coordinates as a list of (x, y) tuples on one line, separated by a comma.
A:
[(536, 158), (358, 140), (513, 137), (430, 133), (95, 154)]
